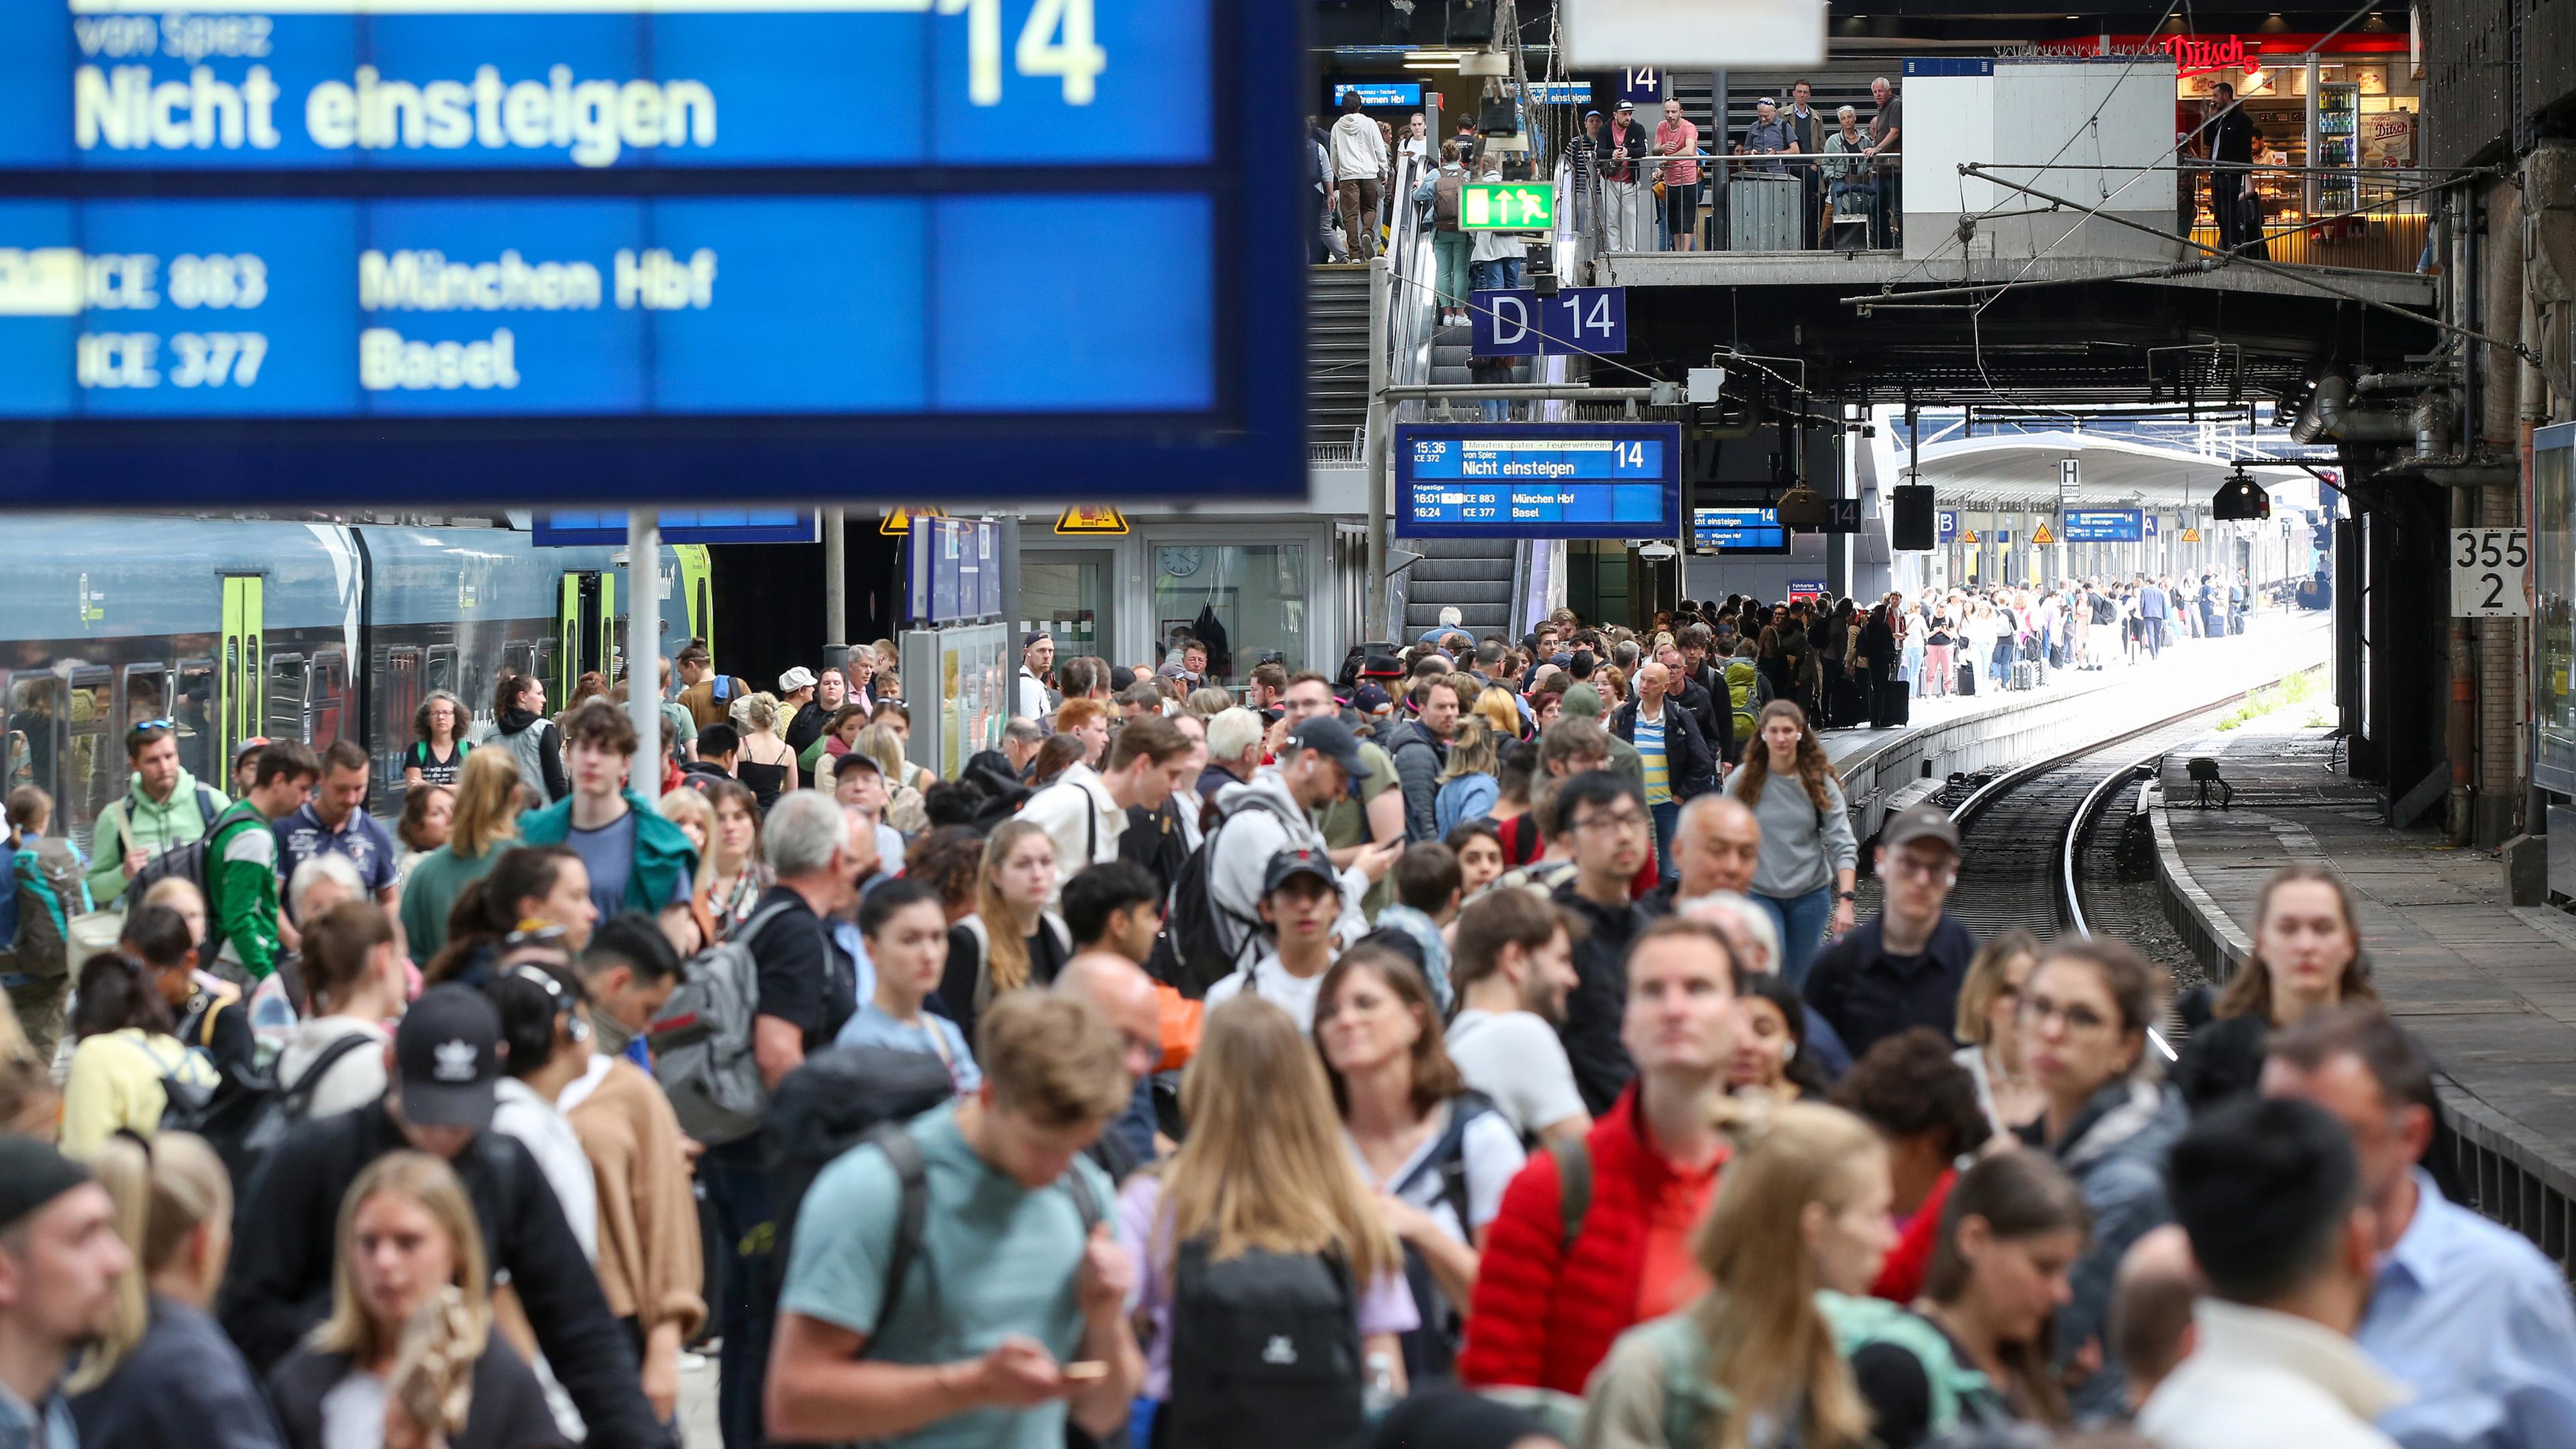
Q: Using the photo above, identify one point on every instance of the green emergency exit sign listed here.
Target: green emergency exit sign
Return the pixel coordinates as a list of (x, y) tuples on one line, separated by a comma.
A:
[(1507, 206)]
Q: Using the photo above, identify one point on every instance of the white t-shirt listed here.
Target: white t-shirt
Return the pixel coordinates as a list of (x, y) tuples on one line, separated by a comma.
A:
[(1516, 1059), (1272, 983), (1492, 1152), (353, 1412)]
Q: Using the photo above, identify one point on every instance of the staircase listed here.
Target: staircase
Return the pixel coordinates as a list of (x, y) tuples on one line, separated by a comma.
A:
[(1473, 574), (1337, 363)]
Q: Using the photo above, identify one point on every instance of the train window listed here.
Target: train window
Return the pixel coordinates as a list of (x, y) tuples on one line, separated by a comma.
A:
[(545, 667), (286, 702), (327, 689), (35, 727), (398, 688), (95, 769), (146, 693), (519, 657), (195, 712), (442, 670)]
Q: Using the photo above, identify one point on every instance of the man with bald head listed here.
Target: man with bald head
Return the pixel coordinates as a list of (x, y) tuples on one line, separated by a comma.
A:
[(1678, 762), (2151, 1330), (1127, 996), (1716, 844)]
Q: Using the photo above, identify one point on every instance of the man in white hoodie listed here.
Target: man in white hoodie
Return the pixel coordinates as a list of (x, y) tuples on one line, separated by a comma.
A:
[(1318, 762), (1359, 165)]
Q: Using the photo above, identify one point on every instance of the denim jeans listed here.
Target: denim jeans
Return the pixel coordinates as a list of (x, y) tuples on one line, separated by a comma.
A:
[(746, 1225), (1503, 274), (1801, 920), (1668, 815)]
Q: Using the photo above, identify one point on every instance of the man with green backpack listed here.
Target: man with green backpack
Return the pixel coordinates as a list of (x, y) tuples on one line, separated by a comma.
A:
[(162, 809)]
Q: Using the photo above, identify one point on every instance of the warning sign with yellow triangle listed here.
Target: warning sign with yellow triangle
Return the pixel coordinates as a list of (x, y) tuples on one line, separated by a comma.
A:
[(1088, 519), (2191, 535), (1968, 537), (2042, 535), (898, 521)]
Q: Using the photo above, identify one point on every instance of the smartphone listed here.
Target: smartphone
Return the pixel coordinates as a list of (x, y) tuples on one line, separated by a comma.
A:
[(1089, 1370)]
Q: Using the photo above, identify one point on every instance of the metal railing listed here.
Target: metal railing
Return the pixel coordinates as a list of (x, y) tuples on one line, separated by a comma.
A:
[(1717, 172), (2364, 219)]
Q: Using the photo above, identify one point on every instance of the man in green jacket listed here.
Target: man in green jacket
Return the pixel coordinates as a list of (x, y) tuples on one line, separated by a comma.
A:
[(241, 859), (163, 809), (637, 860)]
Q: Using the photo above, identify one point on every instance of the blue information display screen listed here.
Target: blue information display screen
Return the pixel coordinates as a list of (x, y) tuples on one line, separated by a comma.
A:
[(1738, 530), (558, 306), (512, 83), (1538, 480), (649, 250), (2101, 525)]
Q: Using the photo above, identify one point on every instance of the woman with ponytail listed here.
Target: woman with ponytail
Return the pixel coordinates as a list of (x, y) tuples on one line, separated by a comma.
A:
[(163, 1375)]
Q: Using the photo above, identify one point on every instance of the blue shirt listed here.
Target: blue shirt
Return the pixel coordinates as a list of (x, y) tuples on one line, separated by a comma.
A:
[(2479, 1324), (359, 840), (19, 1422), (608, 854), (871, 1026)]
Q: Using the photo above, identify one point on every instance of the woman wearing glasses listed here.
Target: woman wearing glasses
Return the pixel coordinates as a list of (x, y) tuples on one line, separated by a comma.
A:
[(2085, 1018)]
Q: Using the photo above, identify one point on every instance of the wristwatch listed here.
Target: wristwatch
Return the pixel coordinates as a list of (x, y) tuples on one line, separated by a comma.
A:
[(1846, 895)]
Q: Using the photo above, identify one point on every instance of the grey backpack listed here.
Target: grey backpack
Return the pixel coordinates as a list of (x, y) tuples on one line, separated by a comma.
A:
[(702, 1041)]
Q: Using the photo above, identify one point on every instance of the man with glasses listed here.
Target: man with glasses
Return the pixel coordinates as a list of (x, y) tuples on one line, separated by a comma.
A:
[(164, 808), (1903, 967), (1352, 825), (1602, 814)]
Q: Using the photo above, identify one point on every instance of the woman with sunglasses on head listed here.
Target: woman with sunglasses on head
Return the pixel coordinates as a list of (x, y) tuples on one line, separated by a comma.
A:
[(2084, 1020)]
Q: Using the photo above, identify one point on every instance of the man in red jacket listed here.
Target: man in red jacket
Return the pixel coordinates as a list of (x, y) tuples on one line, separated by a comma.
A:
[(1552, 1292)]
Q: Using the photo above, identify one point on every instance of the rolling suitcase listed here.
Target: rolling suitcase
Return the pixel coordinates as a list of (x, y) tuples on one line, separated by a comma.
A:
[(1967, 676), (1895, 704), (2025, 674)]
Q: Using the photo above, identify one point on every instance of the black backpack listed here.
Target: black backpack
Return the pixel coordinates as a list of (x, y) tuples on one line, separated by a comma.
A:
[(1265, 1350), (1191, 956), (1431, 1351), (837, 1100), (182, 862), (252, 1112)]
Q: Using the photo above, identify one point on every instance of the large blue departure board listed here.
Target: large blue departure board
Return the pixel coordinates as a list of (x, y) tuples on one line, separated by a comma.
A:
[(627, 251), (1538, 480), (2101, 525)]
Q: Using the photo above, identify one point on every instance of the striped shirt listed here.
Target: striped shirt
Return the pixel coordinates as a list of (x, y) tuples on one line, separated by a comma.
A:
[(1650, 751)]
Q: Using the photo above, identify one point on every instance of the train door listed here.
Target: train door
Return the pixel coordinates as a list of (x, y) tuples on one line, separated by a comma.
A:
[(582, 629), (241, 707)]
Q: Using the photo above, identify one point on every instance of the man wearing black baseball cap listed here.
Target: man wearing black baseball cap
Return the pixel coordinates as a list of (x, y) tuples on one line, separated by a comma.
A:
[(1301, 904), (60, 1259), (446, 1065), (1317, 763), (1902, 967)]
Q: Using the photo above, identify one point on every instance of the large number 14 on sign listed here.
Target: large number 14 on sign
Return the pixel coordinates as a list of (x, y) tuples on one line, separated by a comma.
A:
[(1056, 40)]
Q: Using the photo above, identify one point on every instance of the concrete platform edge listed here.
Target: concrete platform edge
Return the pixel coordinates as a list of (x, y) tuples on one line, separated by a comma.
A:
[(2222, 947)]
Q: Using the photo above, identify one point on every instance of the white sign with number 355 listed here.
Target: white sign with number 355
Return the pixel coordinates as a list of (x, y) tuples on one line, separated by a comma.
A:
[(2490, 568)]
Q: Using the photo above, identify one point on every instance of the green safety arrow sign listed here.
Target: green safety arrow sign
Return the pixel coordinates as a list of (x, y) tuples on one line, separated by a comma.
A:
[(1507, 206)]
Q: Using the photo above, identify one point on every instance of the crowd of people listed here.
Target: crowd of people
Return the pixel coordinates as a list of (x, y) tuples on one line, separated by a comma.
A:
[(1480, 1048)]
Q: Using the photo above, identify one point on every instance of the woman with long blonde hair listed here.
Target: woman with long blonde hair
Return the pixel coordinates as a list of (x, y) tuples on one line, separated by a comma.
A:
[(1804, 874), (1801, 1211), (164, 1374), (765, 763), (408, 1357), (1264, 1176), (1012, 940), (485, 822), (1469, 781), (1496, 707)]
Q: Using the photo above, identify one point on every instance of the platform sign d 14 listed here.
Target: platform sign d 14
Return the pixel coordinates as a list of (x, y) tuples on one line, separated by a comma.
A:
[(2490, 573), (1507, 206), (1577, 320)]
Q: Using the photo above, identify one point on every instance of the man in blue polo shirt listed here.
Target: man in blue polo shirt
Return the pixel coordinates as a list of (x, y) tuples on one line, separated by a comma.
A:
[(335, 822)]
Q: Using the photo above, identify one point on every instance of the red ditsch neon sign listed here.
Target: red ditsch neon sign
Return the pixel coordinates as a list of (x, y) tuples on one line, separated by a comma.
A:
[(2201, 57)]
